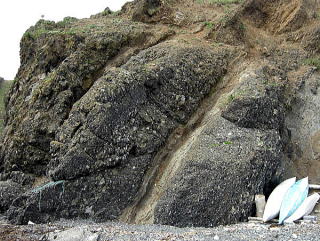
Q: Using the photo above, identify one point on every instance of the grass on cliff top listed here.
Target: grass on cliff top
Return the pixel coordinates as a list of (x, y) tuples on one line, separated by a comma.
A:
[(50, 27), (4, 87), (313, 62), (68, 26)]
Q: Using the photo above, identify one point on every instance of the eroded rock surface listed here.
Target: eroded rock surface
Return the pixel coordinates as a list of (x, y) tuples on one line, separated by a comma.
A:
[(225, 162), (59, 65), (303, 121), (112, 134), (134, 116)]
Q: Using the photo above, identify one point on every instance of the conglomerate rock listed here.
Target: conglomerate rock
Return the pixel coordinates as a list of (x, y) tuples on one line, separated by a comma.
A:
[(112, 133), (58, 66), (132, 116), (227, 162)]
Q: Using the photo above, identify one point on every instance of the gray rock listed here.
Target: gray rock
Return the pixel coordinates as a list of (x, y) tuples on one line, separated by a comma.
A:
[(115, 116), (73, 234), (303, 122), (57, 69), (257, 103), (9, 190), (224, 163), (128, 232), (104, 148)]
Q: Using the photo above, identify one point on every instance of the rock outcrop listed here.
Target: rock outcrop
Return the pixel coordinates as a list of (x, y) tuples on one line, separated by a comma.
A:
[(134, 116), (227, 161), (112, 134), (57, 69)]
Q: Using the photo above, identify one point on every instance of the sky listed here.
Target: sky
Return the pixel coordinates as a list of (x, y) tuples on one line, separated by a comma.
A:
[(16, 16)]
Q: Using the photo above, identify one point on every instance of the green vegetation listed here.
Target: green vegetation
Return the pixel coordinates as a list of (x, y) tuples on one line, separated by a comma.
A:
[(47, 27), (231, 98), (4, 87), (219, 144), (215, 145), (313, 61), (216, 44), (64, 27), (227, 143), (242, 27), (66, 22), (209, 24), (225, 18)]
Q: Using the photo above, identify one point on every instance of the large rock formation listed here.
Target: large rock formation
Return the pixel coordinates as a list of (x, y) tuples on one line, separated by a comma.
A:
[(118, 118), (227, 161), (112, 134)]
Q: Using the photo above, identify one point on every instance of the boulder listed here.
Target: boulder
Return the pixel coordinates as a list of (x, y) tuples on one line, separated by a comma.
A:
[(226, 162), (258, 102)]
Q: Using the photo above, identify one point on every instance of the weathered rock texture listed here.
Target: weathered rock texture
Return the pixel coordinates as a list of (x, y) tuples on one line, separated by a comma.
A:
[(227, 162), (57, 69), (115, 130), (134, 116), (303, 121)]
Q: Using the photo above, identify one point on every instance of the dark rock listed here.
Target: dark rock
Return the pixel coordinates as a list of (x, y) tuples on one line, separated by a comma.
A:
[(221, 173), (258, 103), (112, 133), (254, 113), (130, 116), (57, 69), (26, 207), (9, 190), (18, 177), (226, 163)]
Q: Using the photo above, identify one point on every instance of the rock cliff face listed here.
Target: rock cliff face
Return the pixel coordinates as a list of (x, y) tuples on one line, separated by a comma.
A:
[(166, 112)]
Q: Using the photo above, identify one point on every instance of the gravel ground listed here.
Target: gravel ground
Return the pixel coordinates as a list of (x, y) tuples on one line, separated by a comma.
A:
[(88, 231)]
